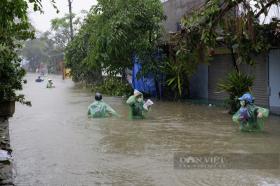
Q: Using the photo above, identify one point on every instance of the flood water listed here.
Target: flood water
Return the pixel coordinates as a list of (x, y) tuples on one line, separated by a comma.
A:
[(54, 143)]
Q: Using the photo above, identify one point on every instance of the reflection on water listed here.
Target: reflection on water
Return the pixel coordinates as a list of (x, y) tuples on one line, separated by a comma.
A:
[(56, 144)]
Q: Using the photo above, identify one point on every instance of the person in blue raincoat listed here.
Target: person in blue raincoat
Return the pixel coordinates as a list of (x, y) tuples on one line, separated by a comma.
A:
[(39, 79), (136, 103), (250, 117), (100, 109)]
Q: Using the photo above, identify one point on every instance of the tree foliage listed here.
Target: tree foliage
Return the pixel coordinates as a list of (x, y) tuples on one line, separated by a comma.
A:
[(233, 24), (78, 49), (236, 84), (42, 50), (61, 29), (112, 32), (14, 28)]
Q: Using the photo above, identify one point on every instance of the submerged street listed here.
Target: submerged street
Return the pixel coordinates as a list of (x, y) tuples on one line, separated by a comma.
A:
[(55, 143)]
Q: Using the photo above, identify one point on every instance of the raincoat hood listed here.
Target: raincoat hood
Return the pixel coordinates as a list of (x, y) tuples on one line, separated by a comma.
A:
[(247, 97), (137, 92)]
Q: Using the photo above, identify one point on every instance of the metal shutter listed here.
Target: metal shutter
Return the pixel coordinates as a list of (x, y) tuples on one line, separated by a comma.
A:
[(218, 69), (260, 72), (222, 64)]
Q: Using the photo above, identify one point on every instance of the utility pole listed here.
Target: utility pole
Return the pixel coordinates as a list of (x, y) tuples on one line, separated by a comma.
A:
[(71, 21), (71, 34)]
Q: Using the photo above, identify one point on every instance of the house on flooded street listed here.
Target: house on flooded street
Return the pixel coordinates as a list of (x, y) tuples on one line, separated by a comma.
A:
[(266, 88), (203, 85)]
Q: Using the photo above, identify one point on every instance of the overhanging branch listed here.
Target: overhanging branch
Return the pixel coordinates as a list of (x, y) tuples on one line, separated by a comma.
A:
[(263, 9)]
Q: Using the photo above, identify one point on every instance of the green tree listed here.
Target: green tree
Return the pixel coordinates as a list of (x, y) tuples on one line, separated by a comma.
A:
[(41, 50), (120, 29), (77, 50), (131, 27), (14, 28), (61, 29), (111, 34), (184, 57), (36, 52)]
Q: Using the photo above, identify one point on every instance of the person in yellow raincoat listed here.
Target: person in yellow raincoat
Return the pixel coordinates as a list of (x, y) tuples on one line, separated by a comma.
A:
[(137, 107), (50, 84), (250, 117), (100, 109)]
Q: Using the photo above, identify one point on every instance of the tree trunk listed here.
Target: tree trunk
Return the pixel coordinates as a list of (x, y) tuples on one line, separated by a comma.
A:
[(234, 60)]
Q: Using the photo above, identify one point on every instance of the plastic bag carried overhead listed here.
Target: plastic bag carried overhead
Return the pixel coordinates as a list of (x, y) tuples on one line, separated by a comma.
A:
[(138, 107)]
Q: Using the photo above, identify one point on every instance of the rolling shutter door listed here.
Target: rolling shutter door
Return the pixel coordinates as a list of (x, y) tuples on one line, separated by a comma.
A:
[(260, 72), (218, 69), (222, 65)]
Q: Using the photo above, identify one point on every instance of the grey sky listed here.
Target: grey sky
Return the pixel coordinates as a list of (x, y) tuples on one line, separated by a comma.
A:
[(42, 21)]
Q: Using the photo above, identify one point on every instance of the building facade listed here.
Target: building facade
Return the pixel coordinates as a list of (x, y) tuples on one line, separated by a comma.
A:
[(175, 9), (203, 85)]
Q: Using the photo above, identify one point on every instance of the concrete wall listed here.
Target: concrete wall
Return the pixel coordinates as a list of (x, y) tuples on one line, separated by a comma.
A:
[(6, 173), (175, 9), (199, 83)]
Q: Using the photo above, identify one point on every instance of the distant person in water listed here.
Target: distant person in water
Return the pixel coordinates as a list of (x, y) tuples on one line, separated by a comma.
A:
[(39, 79), (99, 109), (137, 105), (50, 84)]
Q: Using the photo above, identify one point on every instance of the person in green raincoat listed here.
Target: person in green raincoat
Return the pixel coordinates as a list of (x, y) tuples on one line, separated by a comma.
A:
[(136, 103), (99, 109), (250, 117)]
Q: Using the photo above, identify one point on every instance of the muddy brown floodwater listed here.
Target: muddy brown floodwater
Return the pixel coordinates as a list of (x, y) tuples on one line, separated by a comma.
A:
[(54, 143)]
